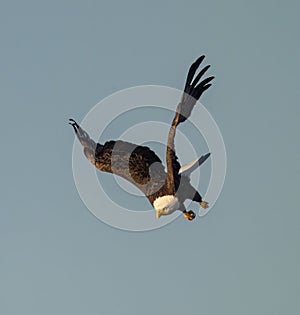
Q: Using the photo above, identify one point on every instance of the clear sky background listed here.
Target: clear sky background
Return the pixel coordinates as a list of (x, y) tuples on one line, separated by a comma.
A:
[(58, 59)]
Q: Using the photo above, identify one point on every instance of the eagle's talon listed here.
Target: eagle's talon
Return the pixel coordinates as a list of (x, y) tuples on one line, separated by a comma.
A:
[(189, 215), (204, 204)]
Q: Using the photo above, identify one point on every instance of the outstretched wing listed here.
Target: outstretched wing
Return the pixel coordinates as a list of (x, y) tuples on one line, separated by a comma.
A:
[(137, 164), (192, 92)]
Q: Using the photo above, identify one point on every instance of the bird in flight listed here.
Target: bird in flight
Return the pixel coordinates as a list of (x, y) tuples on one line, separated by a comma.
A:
[(166, 190)]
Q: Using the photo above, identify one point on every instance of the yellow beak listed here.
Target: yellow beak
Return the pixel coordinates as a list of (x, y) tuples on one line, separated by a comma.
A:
[(158, 214)]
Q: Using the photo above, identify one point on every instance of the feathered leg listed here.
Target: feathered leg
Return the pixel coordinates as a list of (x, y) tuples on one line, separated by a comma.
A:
[(194, 195)]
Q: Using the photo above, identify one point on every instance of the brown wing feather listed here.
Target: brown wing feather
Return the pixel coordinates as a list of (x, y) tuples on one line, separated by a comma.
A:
[(192, 92), (137, 164)]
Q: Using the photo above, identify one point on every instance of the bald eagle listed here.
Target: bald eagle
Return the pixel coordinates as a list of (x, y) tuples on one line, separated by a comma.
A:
[(166, 191)]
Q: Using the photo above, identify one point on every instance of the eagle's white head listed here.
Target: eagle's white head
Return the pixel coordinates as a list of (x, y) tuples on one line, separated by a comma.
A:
[(165, 205)]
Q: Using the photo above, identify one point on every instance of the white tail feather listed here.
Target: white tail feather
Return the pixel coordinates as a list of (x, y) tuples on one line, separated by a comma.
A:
[(190, 167)]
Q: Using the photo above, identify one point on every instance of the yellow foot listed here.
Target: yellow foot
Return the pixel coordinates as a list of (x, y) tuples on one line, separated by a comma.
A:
[(204, 204), (189, 215)]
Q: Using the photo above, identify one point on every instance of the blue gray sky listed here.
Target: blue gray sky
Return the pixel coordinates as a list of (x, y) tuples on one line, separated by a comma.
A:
[(58, 59)]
